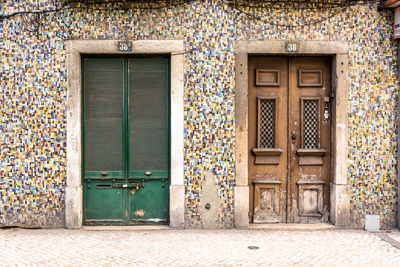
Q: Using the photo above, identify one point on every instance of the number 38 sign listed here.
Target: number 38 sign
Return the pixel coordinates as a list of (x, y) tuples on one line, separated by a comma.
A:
[(291, 47), (125, 46)]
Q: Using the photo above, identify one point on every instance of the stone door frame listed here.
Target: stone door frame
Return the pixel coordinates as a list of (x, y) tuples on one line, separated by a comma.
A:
[(339, 188), (73, 192)]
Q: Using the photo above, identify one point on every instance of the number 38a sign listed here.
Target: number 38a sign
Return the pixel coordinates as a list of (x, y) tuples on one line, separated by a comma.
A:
[(291, 47), (125, 46)]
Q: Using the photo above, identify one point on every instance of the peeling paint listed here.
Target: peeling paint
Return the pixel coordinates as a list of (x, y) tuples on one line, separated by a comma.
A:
[(140, 213)]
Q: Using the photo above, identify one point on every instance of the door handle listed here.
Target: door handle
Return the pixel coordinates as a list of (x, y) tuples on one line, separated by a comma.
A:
[(148, 173), (293, 135)]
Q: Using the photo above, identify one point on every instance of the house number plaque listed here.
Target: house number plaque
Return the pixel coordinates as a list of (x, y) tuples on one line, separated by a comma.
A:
[(292, 47), (125, 46)]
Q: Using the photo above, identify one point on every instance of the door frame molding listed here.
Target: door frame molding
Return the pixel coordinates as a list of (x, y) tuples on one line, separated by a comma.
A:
[(73, 190), (339, 188)]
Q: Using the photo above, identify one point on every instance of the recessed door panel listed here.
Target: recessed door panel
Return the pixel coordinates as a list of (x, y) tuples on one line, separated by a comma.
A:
[(289, 139), (149, 204), (103, 89), (103, 202), (148, 114)]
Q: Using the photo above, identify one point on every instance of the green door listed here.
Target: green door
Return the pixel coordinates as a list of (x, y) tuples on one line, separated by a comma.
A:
[(125, 140)]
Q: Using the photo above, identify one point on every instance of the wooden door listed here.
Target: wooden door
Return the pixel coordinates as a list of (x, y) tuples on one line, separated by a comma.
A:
[(289, 139), (125, 140)]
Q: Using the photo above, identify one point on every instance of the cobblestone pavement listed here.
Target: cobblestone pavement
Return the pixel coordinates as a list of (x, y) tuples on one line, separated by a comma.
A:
[(195, 248)]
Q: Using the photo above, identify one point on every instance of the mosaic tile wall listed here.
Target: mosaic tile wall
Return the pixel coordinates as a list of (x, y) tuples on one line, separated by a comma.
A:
[(33, 98)]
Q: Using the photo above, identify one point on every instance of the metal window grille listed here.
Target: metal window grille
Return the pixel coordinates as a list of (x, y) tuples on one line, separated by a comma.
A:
[(311, 129), (267, 123)]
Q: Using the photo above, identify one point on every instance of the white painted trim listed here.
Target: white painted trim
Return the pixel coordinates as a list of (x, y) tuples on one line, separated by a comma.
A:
[(73, 195), (340, 198)]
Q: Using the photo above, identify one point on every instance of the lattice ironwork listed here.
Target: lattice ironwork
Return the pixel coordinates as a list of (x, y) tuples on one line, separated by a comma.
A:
[(311, 124), (267, 123)]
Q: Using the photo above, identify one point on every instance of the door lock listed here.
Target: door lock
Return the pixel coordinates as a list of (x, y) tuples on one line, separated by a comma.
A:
[(137, 185), (293, 135)]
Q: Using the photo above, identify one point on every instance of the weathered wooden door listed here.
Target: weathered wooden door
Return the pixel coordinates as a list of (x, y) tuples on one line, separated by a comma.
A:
[(125, 140), (289, 139)]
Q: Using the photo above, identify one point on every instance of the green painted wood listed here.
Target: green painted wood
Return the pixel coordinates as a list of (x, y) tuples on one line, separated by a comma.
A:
[(103, 88), (103, 203), (126, 135), (147, 205), (101, 175), (148, 139), (103, 143), (148, 114), (153, 175)]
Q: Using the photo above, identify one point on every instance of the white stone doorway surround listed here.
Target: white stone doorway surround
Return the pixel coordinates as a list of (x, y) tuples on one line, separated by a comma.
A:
[(339, 188), (75, 48)]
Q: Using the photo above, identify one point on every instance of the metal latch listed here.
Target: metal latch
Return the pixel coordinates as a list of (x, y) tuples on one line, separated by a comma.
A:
[(137, 185), (119, 185), (128, 185)]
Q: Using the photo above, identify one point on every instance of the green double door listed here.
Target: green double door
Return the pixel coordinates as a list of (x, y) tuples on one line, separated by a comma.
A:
[(125, 140)]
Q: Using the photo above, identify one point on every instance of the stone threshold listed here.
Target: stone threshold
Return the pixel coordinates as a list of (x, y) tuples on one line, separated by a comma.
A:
[(252, 226), (294, 227)]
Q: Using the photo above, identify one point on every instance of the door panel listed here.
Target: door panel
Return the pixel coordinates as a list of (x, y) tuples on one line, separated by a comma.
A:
[(148, 138), (103, 202), (309, 161), (148, 204), (148, 114), (103, 88), (267, 138), (289, 138), (103, 140)]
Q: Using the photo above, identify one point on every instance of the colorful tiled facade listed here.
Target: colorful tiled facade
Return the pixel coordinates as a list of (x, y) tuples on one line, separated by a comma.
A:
[(33, 97)]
